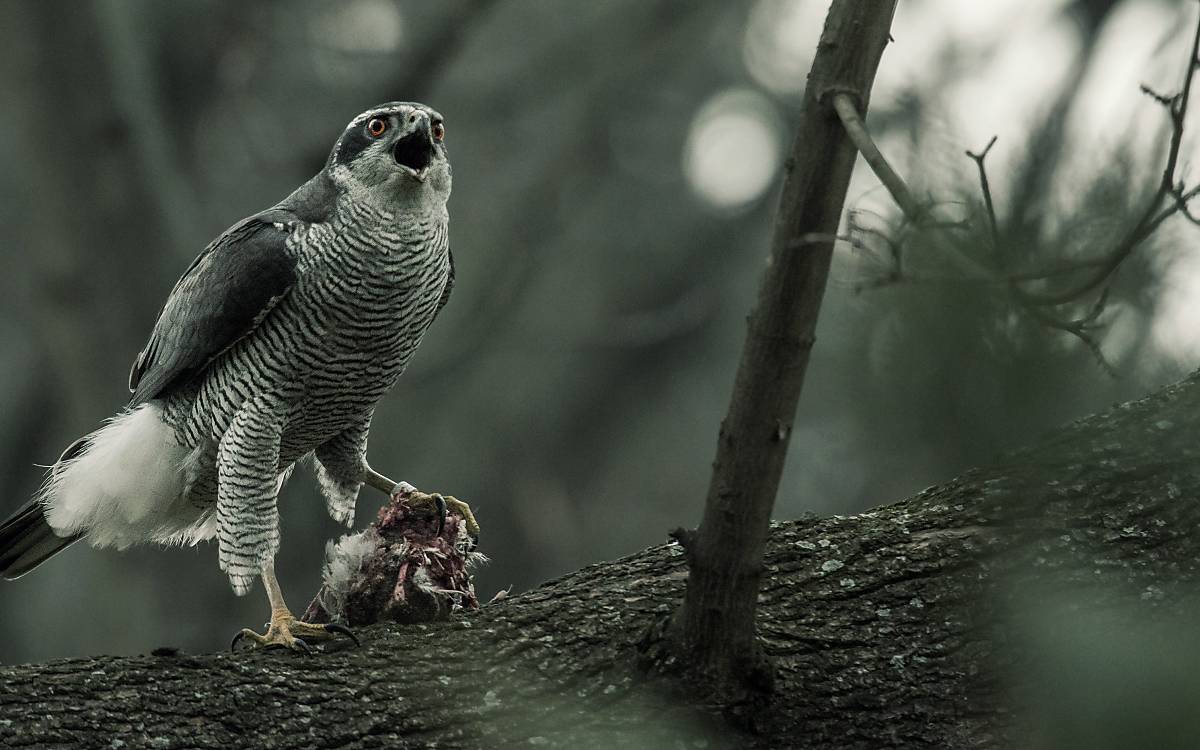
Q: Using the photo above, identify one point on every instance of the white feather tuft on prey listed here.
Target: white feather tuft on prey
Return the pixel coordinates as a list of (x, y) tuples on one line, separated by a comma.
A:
[(126, 485), (343, 560)]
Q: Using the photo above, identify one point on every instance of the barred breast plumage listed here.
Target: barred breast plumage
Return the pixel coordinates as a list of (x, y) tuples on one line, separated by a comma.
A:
[(367, 290), (368, 286)]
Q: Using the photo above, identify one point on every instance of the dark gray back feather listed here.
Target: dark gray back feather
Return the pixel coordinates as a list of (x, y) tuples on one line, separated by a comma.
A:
[(219, 299), (226, 291)]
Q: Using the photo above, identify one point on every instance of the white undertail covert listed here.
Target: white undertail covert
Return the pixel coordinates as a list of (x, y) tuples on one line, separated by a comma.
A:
[(126, 485)]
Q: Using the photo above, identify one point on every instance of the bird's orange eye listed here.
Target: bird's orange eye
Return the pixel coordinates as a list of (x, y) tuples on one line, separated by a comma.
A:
[(439, 131), (376, 126)]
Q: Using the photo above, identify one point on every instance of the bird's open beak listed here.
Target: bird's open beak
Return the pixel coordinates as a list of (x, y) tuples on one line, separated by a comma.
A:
[(414, 152)]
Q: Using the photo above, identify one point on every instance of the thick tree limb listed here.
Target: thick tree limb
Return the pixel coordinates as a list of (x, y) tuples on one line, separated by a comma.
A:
[(715, 625), (899, 627)]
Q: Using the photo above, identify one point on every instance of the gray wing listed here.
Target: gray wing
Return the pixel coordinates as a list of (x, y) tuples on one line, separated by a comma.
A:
[(220, 298)]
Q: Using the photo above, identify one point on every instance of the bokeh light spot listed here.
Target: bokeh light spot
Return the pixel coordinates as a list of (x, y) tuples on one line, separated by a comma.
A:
[(781, 37), (733, 149), (361, 26), (1177, 317)]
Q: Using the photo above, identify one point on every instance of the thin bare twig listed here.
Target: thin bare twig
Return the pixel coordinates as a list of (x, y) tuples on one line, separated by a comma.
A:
[(816, 238), (1143, 229), (987, 190), (886, 237), (1162, 99), (1154, 214), (1081, 328), (1181, 202), (1169, 198), (1106, 265), (846, 106)]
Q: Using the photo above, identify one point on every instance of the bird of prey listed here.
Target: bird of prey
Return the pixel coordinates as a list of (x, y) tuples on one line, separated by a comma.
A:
[(275, 345)]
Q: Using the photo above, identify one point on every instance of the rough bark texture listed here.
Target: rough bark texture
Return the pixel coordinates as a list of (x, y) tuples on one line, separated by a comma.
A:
[(899, 627), (716, 622)]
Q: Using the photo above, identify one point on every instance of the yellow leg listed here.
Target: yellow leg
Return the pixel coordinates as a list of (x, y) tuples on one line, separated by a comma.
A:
[(284, 630)]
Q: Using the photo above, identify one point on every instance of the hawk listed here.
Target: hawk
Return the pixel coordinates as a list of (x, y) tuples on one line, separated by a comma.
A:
[(276, 344)]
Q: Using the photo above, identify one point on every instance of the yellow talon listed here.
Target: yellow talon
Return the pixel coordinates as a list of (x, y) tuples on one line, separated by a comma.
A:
[(464, 510), (285, 631), (441, 502)]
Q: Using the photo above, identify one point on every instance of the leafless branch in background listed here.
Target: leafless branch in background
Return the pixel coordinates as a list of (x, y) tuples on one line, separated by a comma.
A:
[(1046, 305), (987, 190)]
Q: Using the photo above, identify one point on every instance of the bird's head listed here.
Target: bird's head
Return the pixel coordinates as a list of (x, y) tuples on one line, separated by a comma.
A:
[(394, 153)]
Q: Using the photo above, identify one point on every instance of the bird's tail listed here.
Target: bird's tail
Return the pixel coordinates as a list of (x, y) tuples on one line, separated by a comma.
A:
[(26, 541), (122, 484)]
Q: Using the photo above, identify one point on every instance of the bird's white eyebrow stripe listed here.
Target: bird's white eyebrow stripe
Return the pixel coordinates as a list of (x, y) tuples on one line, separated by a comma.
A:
[(392, 109), (379, 111), (372, 113)]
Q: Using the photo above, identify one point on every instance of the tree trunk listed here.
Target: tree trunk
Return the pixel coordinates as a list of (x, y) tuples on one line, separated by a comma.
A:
[(715, 626), (921, 623)]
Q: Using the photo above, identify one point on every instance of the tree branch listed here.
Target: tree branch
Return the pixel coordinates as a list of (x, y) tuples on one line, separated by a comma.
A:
[(908, 625), (986, 188), (846, 106), (1037, 303), (1154, 213), (715, 627)]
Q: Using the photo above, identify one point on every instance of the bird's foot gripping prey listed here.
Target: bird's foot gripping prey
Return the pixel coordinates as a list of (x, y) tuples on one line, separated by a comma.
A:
[(438, 503), (274, 347)]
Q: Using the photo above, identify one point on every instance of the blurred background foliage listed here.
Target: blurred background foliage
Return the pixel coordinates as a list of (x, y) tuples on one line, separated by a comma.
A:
[(616, 167)]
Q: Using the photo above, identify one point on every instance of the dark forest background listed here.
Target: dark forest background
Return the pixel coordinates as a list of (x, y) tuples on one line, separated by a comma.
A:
[(616, 169)]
